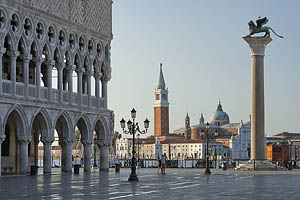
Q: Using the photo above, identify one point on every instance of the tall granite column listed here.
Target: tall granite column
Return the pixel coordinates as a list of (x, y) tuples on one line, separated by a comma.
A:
[(257, 50)]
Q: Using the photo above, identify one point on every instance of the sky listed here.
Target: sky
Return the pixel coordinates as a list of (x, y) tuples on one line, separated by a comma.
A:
[(204, 59)]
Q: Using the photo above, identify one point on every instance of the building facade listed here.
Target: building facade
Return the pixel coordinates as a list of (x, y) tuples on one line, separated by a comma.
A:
[(53, 55)]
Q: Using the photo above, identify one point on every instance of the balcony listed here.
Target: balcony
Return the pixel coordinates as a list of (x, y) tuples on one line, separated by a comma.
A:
[(32, 94)]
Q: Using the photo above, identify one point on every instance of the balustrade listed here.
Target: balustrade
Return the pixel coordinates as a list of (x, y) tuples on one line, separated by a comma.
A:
[(95, 102)]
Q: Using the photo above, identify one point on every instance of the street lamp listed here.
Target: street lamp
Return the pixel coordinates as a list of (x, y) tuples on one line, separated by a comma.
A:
[(138, 154), (132, 129), (205, 133)]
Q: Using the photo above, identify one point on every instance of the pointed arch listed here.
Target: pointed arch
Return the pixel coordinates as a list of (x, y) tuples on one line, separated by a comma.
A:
[(84, 126), (101, 128), (44, 119), (63, 125), (19, 116), (9, 43), (46, 53), (35, 50)]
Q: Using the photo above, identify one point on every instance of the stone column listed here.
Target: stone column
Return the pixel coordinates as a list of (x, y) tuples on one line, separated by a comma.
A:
[(2, 138), (13, 62), (26, 60), (67, 155), (23, 154), (97, 88), (38, 62), (79, 83), (60, 82), (104, 91), (70, 82), (88, 75), (87, 155), (257, 50), (47, 156), (104, 156), (50, 65), (2, 51)]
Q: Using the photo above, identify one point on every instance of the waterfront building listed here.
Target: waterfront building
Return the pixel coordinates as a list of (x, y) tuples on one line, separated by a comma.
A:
[(54, 72)]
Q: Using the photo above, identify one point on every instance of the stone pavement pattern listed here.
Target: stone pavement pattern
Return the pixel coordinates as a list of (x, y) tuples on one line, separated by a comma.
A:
[(176, 184)]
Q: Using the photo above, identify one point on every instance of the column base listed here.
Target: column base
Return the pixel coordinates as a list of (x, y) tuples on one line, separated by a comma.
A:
[(133, 177), (259, 165)]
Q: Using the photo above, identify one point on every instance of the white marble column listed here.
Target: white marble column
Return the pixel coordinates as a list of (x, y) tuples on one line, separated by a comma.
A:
[(88, 75), (60, 82), (104, 91), (257, 49), (104, 157), (70, 82), (47, 156), (38, 62), (23, 155), (13, 62), (26, 59), (97, 87), (2, 51), (87, 155), (79, 83), (50, 65), (2, 138)]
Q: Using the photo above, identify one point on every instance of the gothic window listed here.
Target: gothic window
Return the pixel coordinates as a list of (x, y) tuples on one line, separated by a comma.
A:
[(51, 34), (27, 27), (39, 31)]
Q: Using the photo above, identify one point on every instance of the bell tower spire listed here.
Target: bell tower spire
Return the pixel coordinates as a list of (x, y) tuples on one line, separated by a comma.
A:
[(161, 107)]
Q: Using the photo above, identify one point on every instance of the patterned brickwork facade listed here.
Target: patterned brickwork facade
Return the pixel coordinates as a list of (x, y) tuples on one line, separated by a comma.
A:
[(92, 14)]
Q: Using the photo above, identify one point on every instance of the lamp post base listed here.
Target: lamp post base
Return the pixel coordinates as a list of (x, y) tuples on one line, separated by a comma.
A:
[(133, 177), (207, 171)]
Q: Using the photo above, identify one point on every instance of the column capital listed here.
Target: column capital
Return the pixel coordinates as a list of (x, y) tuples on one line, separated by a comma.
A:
[(86, 141), (2, 138), (104, 142), (89, 72), (24, 139), (65, 141), (47, 140), (13, 54), (257, 44), (38, 59), (26, 57), (70, 68), (2, 50), (50, 63), (80, 71), (60, 66), (98, 75)]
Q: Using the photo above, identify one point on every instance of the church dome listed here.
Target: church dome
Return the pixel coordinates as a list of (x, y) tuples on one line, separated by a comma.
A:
[(219, 117)]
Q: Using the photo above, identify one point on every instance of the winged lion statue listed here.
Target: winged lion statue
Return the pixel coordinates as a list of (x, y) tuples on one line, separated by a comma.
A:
[(259, 28)]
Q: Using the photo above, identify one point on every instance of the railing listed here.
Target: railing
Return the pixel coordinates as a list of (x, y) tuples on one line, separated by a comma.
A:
[(55, 94), (6, 89), (19, 89), (31, 91), (44, 93), (6, 86)]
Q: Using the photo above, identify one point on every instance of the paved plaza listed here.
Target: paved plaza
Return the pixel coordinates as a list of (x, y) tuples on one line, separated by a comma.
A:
[(176, 184)]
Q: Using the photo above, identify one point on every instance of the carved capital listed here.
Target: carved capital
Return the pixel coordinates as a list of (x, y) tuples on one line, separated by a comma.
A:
[(257, 45), (80, 71), (97, 75), (47, 140), (13, 54), (60, 66), (89, 73), (70, 68), (67, 141), (2, 138), (38, 60), (24, 139), (26, 57), (50, 63), (86, 141), (104, 142)]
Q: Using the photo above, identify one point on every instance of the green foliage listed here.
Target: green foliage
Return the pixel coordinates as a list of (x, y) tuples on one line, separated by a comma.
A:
[(151, 137)]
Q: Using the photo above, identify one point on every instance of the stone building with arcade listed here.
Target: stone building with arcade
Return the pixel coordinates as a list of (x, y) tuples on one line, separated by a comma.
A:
[(54, 73)]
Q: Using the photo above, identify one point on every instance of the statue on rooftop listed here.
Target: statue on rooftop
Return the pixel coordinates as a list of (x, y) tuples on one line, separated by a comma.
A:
[(259, 28)]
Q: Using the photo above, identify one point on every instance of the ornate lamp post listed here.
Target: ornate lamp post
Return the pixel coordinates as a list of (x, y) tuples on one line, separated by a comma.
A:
[(205, 133), (138, 146), (133, 127)]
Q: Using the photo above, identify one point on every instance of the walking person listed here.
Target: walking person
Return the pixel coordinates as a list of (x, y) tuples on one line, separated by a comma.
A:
[(163, 164), (159, 164)]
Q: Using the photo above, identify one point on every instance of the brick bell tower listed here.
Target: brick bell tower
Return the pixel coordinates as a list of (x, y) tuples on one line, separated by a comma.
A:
[(161, 107)]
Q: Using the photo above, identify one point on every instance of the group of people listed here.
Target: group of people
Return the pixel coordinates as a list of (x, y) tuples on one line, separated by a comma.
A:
[(162, 164)]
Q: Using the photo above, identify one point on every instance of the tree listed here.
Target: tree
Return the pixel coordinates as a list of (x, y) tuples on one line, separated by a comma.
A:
[(151, 137)]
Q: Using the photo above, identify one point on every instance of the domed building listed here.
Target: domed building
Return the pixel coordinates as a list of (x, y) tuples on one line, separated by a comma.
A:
[(219, 117)]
